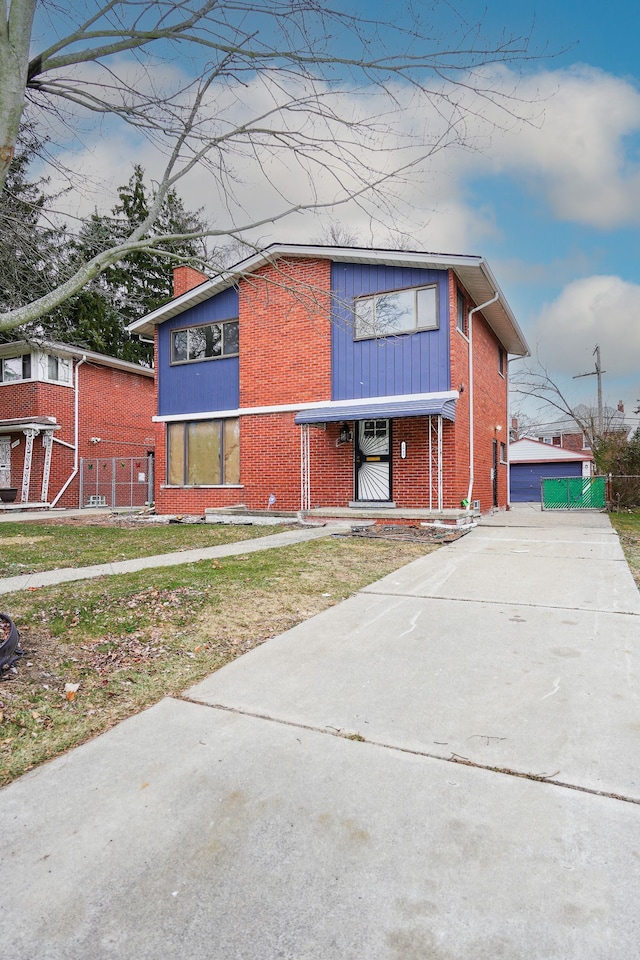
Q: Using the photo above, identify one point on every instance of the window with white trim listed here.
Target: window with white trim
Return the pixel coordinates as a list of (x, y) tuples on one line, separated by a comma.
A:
[(396, 312), (461, 313), (203, 453), (15, 368), (208, 342), (58, 368)]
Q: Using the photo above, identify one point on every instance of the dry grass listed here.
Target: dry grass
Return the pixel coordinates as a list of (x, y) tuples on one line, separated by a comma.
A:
[(627, 525), (100, 650)]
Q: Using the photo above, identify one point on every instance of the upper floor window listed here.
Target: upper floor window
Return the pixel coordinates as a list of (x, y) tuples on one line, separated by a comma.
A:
[(461, 313), (402, 311), (58, 368), (15, 368), (502, 361), (205, 343)]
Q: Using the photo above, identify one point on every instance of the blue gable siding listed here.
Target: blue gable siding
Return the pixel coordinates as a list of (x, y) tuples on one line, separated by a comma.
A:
[(414, 363), (203, 385)]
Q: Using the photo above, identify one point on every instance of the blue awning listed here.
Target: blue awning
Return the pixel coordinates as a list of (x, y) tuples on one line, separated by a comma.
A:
[(383, 408)]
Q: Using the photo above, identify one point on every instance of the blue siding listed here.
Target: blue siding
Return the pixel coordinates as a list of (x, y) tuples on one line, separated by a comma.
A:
[(415, 363), (206, 384)]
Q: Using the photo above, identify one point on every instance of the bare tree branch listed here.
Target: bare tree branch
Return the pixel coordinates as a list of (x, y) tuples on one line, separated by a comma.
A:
[(226, 86)]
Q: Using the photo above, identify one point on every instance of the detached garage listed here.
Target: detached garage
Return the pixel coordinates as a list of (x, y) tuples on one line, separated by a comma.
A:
[(531, 461)]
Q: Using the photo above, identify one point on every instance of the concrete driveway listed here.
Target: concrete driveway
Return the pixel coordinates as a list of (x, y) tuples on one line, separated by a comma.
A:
[(443, 767)]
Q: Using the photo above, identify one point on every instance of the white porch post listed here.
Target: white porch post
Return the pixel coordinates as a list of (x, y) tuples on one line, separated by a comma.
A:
[(28, 456), (305, 466), (47, 443), (436, 485)]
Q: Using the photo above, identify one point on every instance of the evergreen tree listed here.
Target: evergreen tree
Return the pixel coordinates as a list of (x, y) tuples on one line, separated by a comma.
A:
[(32, 251), (142, 281)]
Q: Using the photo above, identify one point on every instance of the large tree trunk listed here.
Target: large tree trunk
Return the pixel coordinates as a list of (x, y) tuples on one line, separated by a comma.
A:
[(15, 37)]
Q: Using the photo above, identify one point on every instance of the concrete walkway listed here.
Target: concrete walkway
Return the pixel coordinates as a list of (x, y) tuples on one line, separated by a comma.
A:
[(443, 767), (177, 558)]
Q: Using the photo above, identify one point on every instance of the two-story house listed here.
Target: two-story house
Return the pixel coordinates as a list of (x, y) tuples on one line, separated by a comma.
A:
[(314, 376), (62, 407)]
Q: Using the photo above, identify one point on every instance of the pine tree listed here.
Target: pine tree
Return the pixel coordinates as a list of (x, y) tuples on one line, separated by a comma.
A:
[(32, 250), (97, 317)]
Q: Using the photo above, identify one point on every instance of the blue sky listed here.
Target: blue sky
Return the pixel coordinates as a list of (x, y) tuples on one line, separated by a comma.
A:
[(570, 269), (549, 195)]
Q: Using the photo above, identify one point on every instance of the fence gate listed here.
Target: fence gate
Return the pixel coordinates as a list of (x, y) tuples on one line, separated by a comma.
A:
[(116, 482), (573, 493)]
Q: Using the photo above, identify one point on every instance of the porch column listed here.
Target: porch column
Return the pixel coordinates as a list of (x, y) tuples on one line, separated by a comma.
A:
[(28, 456), (305, 466), (47, 443), (435, 463)]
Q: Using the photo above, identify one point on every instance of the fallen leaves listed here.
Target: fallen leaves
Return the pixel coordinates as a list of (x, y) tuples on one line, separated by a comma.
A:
[(70, 690)]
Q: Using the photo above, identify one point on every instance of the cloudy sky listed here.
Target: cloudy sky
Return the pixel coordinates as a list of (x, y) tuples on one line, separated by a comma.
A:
[(548, 191)]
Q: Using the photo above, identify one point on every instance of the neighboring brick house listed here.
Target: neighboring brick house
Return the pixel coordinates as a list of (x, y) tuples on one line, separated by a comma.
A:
[(312, 376), (566, 434), (59, 404)]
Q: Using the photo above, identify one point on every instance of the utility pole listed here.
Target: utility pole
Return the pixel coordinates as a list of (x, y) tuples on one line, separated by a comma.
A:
[(596, 373)]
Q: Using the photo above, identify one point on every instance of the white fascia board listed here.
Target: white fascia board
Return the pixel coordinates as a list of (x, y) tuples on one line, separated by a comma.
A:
[(295, 407), (500, 316)]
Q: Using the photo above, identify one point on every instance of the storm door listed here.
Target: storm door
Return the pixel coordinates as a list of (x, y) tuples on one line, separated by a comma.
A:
[(373, 460), (5, 461)]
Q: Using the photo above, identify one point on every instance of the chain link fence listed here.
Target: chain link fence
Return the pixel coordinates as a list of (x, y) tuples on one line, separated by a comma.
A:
[(116, 482)]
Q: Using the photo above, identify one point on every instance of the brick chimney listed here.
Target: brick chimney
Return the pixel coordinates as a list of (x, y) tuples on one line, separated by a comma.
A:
[(186, 278), (620, 406)]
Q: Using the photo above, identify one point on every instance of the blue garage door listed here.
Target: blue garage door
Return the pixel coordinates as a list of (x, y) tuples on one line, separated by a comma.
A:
[(525, 478)]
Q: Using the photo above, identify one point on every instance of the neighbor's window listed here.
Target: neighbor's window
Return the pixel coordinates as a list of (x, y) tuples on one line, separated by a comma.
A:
[(15, 368), (402, 311), (503, 453), (461, 315), (58, 368), (203, 453), (502, 359), (205, 343)]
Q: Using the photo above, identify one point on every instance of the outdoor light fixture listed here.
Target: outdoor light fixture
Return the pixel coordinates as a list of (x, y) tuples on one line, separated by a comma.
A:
[(403, 450), (345, 435)]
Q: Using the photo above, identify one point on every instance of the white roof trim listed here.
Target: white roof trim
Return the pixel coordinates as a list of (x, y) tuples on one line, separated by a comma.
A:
[(473, 271)]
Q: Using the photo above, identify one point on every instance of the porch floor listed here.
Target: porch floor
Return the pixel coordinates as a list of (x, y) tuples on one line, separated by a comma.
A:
[(17, 506), (367, 512), (392, 514)]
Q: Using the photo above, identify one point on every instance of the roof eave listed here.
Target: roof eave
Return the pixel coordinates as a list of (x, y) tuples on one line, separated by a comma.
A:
[(473, 272)]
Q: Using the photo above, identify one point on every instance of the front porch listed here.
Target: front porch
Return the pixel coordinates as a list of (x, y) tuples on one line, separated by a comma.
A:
[(364, 514)]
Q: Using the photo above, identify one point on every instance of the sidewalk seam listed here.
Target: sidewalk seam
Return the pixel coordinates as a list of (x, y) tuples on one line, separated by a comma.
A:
[(495, 603), (453, 758)]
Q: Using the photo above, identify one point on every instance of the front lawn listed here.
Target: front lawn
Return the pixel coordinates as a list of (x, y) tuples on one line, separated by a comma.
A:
[(33, 547), (100, 650)]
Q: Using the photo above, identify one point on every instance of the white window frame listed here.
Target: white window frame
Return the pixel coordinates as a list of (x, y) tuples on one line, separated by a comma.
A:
[(373, 303), (189, 331)]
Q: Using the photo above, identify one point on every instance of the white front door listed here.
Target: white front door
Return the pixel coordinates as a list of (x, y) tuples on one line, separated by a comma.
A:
[(5, 461)]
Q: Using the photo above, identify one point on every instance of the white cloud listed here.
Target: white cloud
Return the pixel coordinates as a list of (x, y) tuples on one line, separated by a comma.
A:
[(574, 151), (600, 310), (571, 149)]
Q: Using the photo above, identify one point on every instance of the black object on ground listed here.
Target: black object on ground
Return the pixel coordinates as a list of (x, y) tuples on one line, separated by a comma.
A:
[(9, 646)]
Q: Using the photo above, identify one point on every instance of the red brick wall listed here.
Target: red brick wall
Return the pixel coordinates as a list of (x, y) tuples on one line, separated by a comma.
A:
[(490, 411), (186, 278), (285, 334)]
